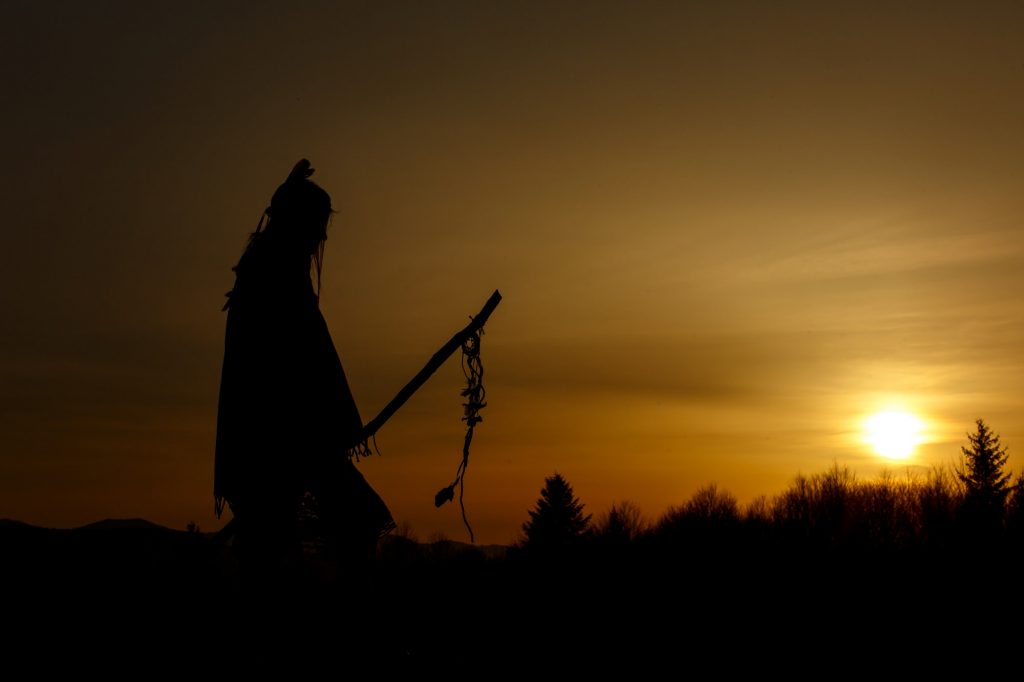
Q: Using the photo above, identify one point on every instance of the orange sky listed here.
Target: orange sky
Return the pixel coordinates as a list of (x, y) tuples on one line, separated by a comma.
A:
[(725, 232)]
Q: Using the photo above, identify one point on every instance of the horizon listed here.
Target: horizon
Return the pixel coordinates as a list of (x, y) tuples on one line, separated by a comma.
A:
[(648, 521)]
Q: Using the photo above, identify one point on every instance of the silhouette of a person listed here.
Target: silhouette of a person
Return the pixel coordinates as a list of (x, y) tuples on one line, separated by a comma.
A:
[(286, 416)]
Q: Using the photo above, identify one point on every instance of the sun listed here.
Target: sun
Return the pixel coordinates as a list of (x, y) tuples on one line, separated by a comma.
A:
[(893, 434)]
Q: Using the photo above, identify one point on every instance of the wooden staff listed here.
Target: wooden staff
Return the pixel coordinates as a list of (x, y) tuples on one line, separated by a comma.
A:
[(438, 359)]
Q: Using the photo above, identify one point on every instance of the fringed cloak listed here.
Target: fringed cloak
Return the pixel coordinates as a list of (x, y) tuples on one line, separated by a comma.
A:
[(286, 416)]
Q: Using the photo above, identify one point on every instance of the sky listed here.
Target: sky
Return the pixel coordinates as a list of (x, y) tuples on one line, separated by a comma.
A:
[(725, 234)]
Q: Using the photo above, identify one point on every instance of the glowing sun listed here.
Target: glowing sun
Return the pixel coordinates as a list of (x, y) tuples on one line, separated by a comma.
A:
[(893, 435)]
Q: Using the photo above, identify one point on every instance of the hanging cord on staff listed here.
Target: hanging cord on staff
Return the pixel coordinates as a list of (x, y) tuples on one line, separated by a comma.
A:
[(475, 394), (468, 339)]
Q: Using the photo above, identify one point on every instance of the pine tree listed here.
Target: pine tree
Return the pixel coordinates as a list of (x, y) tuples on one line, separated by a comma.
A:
[(557, 522), (981, 472)]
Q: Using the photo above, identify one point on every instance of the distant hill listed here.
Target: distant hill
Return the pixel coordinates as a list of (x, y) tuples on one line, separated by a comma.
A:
[(104, 524), (452, 547), (11, 523), (490, 551), (121, 523), (113, 559), (133, 524)]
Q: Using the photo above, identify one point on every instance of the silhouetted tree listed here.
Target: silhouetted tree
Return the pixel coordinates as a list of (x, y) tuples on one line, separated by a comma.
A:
[(558, 520), (711, 516), (937, 498), (713, 505), (622, 524), (981, 472), (1015, 509)]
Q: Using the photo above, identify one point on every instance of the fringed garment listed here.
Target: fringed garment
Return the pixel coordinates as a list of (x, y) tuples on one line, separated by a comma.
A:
[(286, 416)]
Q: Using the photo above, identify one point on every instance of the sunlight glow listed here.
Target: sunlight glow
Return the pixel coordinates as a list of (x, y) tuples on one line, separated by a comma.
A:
[(893, 435)]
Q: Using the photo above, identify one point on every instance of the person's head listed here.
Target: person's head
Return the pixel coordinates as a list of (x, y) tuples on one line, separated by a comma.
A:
[(294, 226), (299, 212)]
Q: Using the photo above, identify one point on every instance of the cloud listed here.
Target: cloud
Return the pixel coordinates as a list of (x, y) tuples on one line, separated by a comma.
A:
[(878, 250)]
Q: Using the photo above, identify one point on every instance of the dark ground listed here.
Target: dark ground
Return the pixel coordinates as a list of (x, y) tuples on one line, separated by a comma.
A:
[(134, 598)]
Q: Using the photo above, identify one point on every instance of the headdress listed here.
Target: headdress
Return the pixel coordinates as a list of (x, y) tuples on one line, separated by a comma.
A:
[(296, 188)]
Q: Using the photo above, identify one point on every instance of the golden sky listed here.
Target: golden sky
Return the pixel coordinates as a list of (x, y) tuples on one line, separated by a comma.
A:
[(725, 234)]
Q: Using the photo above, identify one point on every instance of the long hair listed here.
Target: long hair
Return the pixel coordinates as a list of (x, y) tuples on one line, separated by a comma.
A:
[(297, 220), (317, 261)]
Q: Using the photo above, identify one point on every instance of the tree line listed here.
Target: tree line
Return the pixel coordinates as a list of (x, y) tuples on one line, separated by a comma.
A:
[(972, 505), (831, 565)]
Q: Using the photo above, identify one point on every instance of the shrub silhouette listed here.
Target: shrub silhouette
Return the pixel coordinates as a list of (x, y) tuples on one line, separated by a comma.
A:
[(818, 510), (621, 525), (1015, 516), (936, 501), (710, 518)]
